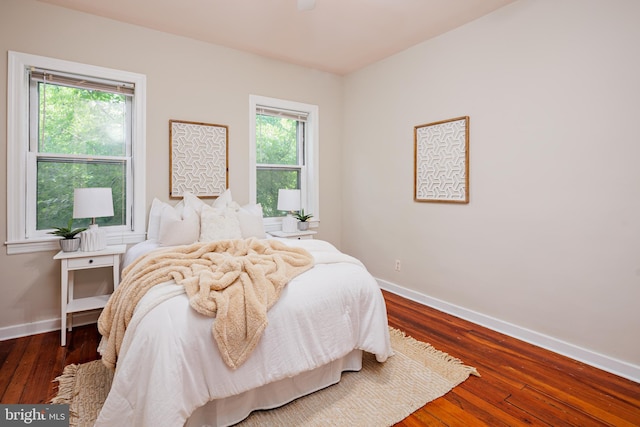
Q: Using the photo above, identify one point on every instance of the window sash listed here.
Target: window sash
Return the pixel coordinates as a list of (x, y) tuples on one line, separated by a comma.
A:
[(34, 118), (301, 137), (33, 159)]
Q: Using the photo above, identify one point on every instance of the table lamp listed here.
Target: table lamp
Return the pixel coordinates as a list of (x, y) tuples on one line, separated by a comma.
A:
[(289, 200), (92, 203)]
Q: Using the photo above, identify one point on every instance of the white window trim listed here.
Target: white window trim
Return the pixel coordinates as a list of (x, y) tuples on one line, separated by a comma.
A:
[(18, 145), (311, 177)]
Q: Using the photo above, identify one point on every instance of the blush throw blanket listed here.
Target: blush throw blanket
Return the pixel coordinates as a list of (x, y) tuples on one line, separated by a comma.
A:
[(235, 281)]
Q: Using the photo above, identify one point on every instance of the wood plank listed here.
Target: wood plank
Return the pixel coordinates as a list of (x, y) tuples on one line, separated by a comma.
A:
[(421, 418), (450, 411), (15, 349), (40, 377), (587, 400), (477, 408), (498, 410), (20, 381), (555, 412), (5, 351), (57, 366)]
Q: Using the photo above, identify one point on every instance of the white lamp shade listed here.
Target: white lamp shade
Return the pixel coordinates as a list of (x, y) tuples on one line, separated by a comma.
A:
[(288, 200), (92, 202)]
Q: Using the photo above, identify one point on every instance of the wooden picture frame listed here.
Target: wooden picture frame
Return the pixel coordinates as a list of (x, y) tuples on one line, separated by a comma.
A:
[(441, 161), (199, 159)]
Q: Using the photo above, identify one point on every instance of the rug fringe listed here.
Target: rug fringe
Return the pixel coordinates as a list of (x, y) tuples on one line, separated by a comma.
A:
[(66, 383), (412, 346), (66, 394)]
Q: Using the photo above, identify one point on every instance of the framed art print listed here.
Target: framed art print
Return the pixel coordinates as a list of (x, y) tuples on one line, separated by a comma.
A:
[(199, 159), (441, 161)]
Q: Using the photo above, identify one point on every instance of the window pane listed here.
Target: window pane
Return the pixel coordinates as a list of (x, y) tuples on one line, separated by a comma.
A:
[(276, 140), (81, 121), (56, 181), (269, 182)]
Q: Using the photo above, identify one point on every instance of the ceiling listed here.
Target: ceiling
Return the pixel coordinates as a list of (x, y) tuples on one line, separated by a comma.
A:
[(338, 36)]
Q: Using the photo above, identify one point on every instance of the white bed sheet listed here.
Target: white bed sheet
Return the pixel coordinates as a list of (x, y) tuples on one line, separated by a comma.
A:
[(170, 365)]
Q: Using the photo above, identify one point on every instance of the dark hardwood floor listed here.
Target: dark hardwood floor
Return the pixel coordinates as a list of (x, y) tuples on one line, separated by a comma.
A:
[(520, 384)]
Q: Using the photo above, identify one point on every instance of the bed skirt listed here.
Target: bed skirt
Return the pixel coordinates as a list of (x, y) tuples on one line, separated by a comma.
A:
[(233, 409)]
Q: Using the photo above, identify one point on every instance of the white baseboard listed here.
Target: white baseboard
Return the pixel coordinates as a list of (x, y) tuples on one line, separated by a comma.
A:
[(18, 331), (600, 361)]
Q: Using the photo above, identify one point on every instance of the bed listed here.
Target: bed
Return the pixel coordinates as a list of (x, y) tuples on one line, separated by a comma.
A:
[(170, 370)]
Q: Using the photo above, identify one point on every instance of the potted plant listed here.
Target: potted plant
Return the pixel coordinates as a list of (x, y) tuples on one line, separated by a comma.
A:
[(304, 219), (69, 241)]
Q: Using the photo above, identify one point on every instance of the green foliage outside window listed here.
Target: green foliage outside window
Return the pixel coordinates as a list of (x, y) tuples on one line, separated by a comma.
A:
[(81, 121), (57, 180), (269, 182), (277, 157), (76, 127)]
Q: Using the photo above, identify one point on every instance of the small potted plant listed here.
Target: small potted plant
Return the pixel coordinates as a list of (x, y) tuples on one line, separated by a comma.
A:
[(69, 241), (304, 219)]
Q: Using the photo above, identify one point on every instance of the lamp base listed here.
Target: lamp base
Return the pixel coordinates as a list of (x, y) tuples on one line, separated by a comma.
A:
[(93, 239), (289, 224)]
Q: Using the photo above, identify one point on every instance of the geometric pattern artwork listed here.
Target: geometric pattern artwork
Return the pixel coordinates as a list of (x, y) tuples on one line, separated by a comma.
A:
[(199, 159), (441, 170)]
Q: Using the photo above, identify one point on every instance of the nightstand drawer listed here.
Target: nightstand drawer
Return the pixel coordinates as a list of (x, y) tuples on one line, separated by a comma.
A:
[(296, 235), (96, 261)]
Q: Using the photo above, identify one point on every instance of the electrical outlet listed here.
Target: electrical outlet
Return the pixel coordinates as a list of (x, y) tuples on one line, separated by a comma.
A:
[(397, 265)]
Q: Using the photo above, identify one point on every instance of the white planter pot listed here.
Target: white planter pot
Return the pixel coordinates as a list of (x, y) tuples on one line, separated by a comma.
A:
[(70, 245)]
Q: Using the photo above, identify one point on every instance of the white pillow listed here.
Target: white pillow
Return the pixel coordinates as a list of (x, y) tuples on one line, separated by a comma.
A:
[(154, 219), (223, 200), (219, 223), (178, 229), (251, 224), (155, 215), (192, 200)]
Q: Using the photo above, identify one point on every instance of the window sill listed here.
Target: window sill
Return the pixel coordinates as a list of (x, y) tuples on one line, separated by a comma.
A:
[(51, 243)]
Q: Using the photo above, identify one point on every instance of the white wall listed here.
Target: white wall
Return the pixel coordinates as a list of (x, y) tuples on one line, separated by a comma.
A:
[(550, 240), (186, 80)]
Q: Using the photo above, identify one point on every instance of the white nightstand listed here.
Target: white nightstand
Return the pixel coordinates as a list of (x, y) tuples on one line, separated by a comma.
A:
[(299, 235), (71, 261)]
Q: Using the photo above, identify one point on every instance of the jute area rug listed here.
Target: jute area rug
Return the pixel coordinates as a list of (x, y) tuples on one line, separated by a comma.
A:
[(381, 394)]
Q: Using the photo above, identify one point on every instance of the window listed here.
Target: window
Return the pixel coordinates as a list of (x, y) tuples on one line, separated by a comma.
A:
[(72, 125), (284, 138)]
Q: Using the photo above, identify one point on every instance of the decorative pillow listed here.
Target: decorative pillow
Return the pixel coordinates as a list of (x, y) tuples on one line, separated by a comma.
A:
[(223, 200), (219, 223), (177, 229), (192, 200), (155, 215), (154, 219), (251, 224)]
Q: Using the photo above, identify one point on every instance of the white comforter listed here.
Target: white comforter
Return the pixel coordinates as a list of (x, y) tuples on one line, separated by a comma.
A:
[(169, 364)]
